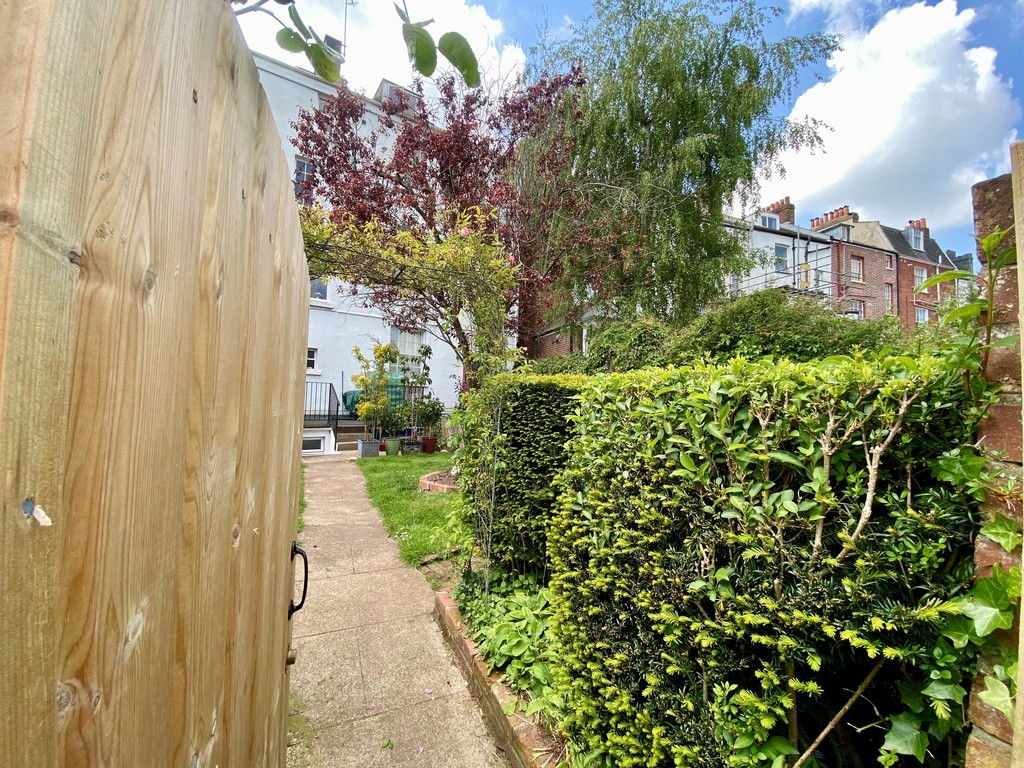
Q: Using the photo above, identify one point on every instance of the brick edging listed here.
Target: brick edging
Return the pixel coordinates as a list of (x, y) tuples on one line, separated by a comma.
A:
[(525, 744), (426, 485)]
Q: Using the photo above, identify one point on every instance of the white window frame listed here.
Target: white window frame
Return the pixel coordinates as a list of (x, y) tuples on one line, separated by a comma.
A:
[(782, 256), (312, 355), (857, 275), (303, 170), (920, 275), (890, 261), (920, 312), (314, 451), (769, 221), (314, 298), (408, 345), (917, 239), (888, 291), (860, 308)]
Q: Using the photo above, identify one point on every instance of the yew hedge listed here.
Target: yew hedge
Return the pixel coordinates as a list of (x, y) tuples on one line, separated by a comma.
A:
[(736, 549), (514, 430)]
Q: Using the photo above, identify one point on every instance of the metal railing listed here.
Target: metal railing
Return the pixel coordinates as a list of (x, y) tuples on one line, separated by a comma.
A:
[(323, 407)]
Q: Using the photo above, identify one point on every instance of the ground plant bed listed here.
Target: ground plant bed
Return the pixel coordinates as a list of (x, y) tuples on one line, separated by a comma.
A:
[(526, 743), (440, 482)]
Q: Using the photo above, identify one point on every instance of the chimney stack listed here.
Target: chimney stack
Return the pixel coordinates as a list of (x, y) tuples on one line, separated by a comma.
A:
[(833, 217), (784, 209), (921, 224)]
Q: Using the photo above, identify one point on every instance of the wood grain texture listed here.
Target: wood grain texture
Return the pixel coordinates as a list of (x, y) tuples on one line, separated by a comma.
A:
[(152, 326), (1017, 163)]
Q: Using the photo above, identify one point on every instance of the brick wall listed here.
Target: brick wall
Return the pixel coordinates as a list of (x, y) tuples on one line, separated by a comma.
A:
[(910, 301), (869, 291), (553, 343), (991, 741)]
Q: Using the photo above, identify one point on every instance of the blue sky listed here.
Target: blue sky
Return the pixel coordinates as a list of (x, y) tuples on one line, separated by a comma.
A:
[(921, 103)]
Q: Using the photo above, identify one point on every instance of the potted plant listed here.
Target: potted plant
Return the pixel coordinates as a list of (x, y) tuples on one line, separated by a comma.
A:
[(429, 413), (393, 421), (373, 402)]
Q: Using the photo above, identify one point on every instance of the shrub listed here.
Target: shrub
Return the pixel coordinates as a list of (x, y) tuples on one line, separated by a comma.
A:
[(514, 433), (735, 548), (770, 323), (627, 345), (560, 364)]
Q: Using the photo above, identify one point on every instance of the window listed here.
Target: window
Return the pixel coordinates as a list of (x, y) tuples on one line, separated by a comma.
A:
[(769, 221), (890, 261), (921, 315), (857, 309), (312, 445), (857, 268), (920, 275), (408, 345), (734, 285), (318, 289), (781, 258), (303, 170), (888, 297), (311, 360), (917, 239)]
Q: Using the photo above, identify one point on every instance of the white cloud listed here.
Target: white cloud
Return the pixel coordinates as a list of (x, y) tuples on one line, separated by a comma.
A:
[(375, 48), (917, 116)]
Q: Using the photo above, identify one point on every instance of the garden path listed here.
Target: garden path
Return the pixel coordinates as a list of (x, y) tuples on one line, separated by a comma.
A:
[(373, 683)]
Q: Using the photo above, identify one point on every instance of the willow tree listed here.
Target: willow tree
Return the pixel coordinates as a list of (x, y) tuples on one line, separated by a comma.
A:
[(677, 115)]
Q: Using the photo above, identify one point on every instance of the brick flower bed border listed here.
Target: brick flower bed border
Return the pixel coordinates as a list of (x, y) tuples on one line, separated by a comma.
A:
[(427, 485), (526, 744)]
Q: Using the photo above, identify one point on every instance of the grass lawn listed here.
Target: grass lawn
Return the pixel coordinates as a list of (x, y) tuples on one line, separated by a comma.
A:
[(412, 517)]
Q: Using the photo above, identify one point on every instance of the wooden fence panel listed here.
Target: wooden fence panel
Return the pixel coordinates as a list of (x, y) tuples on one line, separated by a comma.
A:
[(152, 330)]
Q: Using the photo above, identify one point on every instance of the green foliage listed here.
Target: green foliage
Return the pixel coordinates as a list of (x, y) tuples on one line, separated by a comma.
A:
[(678, 112), (770, 323), (510, 620), (373, 378), (514, 433), (735, 547), (628, 345), (575, 362)]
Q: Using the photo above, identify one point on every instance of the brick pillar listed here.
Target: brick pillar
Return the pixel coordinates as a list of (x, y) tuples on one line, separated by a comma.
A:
[(990, 744)]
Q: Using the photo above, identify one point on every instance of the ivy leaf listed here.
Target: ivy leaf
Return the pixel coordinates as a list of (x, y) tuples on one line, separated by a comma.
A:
[(940, 689), (291, 40), (457, 50), (1004, 531), (906, 737), (987, 605), (422, 51), (960, 631), (997, 696)]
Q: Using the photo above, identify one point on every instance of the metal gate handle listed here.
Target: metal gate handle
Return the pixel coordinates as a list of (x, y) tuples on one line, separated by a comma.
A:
[(292, 607)]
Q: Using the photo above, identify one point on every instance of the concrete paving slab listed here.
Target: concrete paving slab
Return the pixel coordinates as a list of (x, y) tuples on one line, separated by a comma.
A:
[(418, 736), (359, 599), (406, 662), (330, 678)]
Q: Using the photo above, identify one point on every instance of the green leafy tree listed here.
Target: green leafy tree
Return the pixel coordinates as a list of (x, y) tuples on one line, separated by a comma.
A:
[(676, 118)]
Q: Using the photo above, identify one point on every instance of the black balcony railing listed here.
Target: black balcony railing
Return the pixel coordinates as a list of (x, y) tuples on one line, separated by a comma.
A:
[(323, 407)]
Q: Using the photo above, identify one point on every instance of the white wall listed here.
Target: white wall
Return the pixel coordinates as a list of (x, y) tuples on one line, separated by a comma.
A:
[(339, 323), (800, 250)]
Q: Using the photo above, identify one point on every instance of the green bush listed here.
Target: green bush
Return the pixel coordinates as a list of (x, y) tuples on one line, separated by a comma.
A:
[(735, 548), (628, 345), (575, 362), (770, 323), (514, 433)]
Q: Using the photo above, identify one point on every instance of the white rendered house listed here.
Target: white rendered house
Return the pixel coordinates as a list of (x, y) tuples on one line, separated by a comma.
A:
[(337, 320)]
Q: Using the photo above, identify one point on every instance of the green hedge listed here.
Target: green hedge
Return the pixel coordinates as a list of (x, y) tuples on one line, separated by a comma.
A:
[(726, 568), (514, 432)]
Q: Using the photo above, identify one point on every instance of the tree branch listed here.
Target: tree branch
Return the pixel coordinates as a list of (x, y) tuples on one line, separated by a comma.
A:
[(839, 715)]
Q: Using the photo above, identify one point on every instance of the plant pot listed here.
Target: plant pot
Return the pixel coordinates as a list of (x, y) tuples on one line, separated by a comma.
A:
[(411, 446), (429, 444), (367, 448), (392, 445)]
